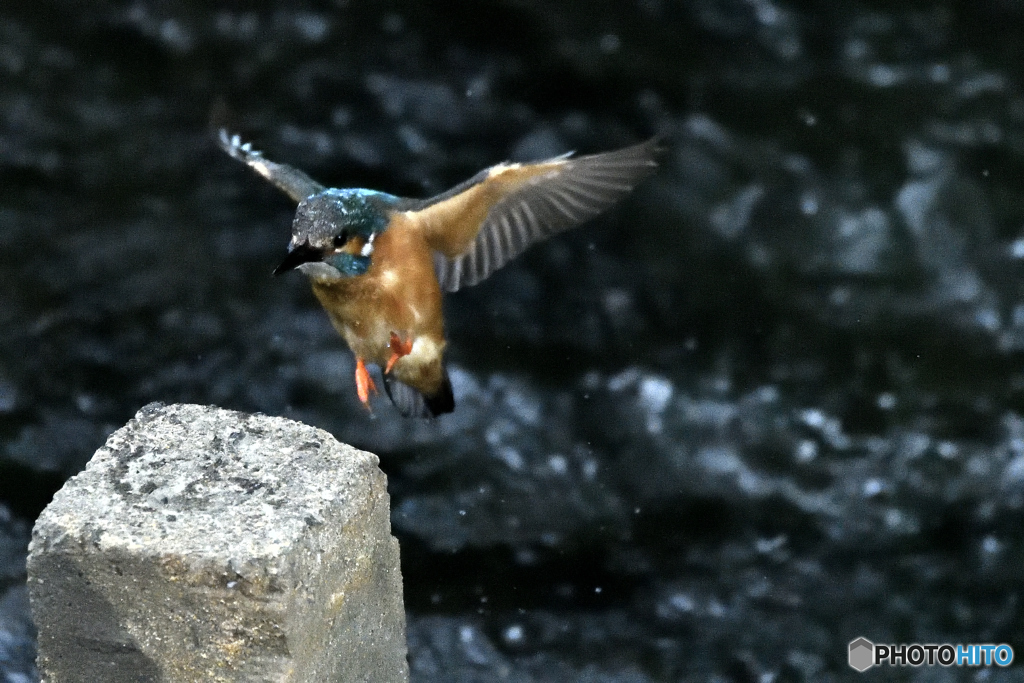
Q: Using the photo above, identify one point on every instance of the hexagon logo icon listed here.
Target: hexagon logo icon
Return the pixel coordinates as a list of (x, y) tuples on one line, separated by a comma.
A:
[(862, 654)]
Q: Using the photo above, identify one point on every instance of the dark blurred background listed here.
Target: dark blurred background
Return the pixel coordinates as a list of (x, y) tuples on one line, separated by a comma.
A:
[(772, 402)]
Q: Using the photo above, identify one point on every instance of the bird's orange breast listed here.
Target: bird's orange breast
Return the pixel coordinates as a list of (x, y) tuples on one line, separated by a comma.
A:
[(398, 293)]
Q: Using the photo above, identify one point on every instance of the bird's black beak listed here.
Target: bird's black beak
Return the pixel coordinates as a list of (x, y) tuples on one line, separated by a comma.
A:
[(297, 255)]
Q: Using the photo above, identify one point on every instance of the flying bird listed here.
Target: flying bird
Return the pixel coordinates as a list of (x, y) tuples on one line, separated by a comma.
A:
[(379, 263)]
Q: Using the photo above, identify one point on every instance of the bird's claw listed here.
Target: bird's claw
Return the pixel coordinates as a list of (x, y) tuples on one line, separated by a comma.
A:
[(364, 383), (399, 348)]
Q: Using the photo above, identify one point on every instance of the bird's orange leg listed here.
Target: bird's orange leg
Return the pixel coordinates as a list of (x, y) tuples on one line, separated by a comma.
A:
[(364, 383), (399, 348)]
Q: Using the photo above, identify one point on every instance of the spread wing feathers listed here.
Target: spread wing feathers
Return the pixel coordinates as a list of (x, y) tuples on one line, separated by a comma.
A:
[(291, 181), (412, 403), (479, 226)]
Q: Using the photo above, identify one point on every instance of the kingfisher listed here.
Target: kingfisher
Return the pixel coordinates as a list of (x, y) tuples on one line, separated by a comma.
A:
[(379, 264)]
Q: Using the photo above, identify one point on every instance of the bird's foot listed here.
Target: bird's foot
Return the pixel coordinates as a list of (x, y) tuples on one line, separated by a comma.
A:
[(399, 348), (364, 383)]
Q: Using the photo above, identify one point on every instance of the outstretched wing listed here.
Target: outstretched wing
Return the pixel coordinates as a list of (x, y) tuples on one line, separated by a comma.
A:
[(291, 181), (479, 226)]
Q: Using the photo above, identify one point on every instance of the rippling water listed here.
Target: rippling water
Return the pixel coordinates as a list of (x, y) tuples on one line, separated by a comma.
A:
[(769, 404)]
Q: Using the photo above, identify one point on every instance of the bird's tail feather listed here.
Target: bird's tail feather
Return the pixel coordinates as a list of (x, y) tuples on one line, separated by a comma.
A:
[(412, 403)]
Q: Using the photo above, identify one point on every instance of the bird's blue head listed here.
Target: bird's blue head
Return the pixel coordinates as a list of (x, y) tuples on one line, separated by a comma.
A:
[(333, 232)]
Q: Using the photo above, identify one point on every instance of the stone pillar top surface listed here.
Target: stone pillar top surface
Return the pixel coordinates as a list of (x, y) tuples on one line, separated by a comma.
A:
[(197, 481)]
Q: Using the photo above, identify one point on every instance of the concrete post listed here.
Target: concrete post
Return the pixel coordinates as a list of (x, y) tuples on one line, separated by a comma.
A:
[(202, 544)]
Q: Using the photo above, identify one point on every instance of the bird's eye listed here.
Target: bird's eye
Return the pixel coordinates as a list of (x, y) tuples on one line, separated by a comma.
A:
[(340, 239)]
